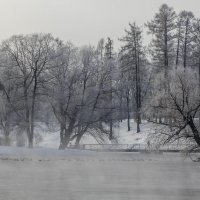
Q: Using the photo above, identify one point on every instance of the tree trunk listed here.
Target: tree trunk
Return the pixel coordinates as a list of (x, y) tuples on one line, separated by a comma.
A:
[(78, 139), (27, 118), (138, 102), (137, 83), (120, 109), (7, 140), (62, 141), (178, 46), (138, 122), (111, 115), (160, 120), (128, 110), (166, 63), (194, 131), (6, 130), (111, 130), (68, 132), (199, 89), (33, 111), (185, 46)]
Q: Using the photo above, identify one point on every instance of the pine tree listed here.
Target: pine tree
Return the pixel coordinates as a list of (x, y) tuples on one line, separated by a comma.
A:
[(184, 38), (132, 58), (162, 28), (109, 57)]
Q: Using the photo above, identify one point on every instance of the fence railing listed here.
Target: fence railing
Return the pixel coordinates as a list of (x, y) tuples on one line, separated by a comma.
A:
[(130, 147)]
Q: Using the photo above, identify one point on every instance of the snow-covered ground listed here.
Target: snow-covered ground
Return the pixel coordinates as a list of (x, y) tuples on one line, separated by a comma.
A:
[(52, 139), (50, 174), (132, 137), (49, 137)]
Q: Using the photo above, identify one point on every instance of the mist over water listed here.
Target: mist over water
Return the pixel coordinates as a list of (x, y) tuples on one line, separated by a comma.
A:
[(89, 175)]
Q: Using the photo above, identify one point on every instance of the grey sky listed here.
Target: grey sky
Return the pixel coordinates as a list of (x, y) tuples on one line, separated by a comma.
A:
[(81, 21)]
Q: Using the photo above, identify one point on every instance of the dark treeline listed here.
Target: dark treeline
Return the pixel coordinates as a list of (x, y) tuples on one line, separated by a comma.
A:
[(89, 89)]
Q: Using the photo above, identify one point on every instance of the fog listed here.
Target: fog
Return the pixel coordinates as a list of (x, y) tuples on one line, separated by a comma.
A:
[(73, 175), (82, 22)]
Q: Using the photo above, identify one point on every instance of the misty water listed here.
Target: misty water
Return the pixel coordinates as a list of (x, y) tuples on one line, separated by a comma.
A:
[(88, 175)]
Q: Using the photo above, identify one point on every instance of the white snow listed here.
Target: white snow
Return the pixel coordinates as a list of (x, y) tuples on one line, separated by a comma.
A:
[(52, 139), (132, 137)]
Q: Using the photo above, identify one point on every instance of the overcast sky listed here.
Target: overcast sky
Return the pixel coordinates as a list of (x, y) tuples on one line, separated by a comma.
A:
[(81, 21)]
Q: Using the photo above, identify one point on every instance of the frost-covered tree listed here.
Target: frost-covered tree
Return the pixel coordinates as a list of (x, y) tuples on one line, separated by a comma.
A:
[(78, 92), (29, 55), (7, 92), (196, 51), (183, 103), (162, 48)]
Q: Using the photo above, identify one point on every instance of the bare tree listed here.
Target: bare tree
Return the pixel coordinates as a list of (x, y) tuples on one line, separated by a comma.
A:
[(77, 92), (29, 55)]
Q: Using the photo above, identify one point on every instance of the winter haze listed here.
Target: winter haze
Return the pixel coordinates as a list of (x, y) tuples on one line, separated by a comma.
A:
[(81, 21), (99, 100)]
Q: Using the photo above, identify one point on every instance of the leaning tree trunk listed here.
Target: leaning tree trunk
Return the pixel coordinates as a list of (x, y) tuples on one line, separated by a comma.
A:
[(78, 139), (195, 131)]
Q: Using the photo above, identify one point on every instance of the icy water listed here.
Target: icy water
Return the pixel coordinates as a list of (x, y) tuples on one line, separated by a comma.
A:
[(98, 176)]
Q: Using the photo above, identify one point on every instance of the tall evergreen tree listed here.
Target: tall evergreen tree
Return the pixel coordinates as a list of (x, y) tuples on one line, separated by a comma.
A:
[(132, 58), (109, 63), (184, 38), (162, 28)]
